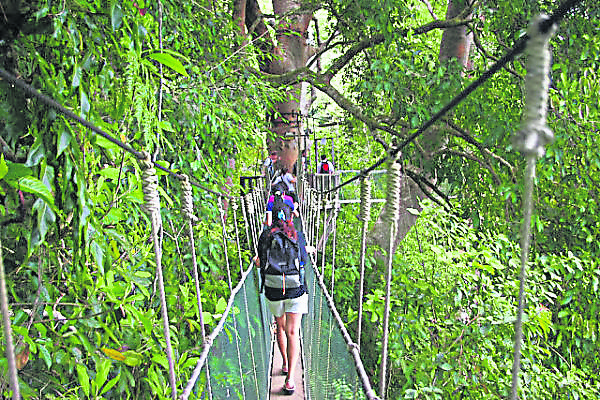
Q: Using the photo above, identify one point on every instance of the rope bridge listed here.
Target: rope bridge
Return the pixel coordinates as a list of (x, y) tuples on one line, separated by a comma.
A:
[(239, 346)]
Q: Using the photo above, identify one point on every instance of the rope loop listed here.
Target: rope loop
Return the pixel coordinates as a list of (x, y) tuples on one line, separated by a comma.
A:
[(365, 199), (393, 190), (150, 183), (535, 133), (188, 199)]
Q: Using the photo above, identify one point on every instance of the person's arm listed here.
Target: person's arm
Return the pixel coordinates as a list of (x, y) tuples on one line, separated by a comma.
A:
[(302, 248), (263, 245), (269, 220)]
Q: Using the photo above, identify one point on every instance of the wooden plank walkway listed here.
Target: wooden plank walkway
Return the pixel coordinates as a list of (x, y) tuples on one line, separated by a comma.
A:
[(278, 378)]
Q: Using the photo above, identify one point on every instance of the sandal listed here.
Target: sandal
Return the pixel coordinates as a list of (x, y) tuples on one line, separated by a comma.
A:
[(284, 369), (288, 388)]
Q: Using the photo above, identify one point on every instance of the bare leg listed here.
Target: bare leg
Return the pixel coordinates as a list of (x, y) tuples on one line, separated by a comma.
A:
[(281, 337), (292, 331)]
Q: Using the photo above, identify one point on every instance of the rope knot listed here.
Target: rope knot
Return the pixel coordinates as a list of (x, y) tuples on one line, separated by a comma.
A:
[(534, 134), (188, 200), (365, 199), (150, 187), (392, 201)]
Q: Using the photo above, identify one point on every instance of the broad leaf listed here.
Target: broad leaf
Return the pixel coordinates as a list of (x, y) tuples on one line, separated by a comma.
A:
[(169, 61)]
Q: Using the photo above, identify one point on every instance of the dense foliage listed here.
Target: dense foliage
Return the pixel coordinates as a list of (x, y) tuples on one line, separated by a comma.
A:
[(178, 80)]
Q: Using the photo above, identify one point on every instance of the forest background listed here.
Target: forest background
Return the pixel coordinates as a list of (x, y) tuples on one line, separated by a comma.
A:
[(208, 88)]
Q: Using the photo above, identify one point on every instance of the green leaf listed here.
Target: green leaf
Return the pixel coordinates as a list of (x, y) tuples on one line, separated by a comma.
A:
[(98, 253), (3, 167), (84, 379), (109, 385), (36, 153), (116, 16), (63, 141), (105, 143), (132, 358), (169, 61), (33, 185), (102, 369), (16, 171), (84, 102), (221, 305), (77, 73), (45, 218), (45, 355), (446, 367)]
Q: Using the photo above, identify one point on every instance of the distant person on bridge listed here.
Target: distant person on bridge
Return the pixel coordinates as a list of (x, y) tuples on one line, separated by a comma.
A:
[(269, 165), (282, 254), (287, 181), (326, 167), (280, 192)]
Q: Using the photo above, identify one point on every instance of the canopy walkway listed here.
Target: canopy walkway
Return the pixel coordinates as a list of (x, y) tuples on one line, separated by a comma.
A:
[(236, 357), (244, 362)]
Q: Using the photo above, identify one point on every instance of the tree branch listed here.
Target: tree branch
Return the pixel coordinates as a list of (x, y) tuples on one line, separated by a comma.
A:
[(344, 59), (480, 47), (471, 157), (422, 182), (461, 133)]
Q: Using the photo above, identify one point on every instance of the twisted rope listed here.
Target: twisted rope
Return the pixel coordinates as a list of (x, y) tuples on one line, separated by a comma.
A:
[(352, 347), (152, 208), (365, 216), (235, 206), (224, 234), (208, 342), (530, 140), (392, 213)]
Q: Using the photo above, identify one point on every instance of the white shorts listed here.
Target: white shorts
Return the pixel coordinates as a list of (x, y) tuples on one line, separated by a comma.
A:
[(299, 305)]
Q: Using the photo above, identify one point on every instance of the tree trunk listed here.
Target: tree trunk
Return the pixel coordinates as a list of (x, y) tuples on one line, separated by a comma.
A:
[(455, 43), (290, 53)]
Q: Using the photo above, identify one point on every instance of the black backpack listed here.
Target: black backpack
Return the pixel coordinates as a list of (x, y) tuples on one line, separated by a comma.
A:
[(282, 269), (324, 167)]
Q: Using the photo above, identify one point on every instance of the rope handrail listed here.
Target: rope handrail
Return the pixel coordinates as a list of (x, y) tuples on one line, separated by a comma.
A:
[(519, 46), (208, 342), (71, 115), (352, 347)]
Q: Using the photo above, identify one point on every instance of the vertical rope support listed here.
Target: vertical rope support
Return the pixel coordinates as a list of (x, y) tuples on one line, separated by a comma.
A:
[(246, 222), (152, 208), (251, 217), (316, 205), (365, 216), (257, 208), (324, 237), (224, 230), (336, 211), (188, 210), (10, 349), (392, 214), (235, 206), (530, 140)]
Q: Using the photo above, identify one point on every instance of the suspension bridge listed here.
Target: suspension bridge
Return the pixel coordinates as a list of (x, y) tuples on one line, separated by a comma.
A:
[(238, 358)]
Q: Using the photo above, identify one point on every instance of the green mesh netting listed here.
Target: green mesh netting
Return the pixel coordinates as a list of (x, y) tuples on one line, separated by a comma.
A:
[(329, 369), (239, 361)]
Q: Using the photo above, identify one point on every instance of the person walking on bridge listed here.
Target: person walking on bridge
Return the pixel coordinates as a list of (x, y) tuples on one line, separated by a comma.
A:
[(282, 255)]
